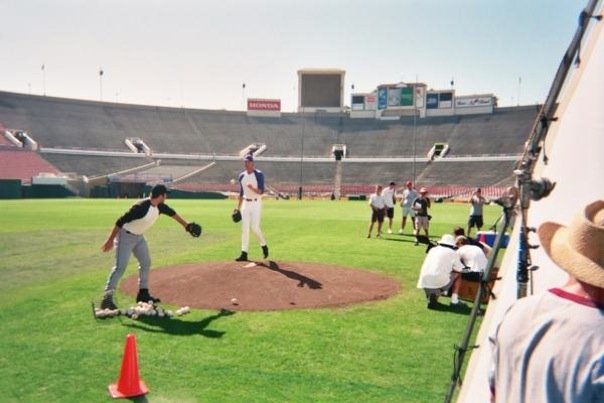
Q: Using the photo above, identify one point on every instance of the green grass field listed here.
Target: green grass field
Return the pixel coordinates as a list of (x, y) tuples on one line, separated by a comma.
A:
[(52, 350)]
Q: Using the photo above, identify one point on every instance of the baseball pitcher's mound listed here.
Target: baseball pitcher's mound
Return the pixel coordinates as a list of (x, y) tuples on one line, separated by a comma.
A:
[(263, 286)]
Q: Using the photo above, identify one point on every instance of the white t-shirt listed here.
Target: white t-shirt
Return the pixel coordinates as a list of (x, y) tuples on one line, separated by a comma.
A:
[(376, 201), (549, 348), (437, 267), (408, 196), (388, 195), (473, 257)]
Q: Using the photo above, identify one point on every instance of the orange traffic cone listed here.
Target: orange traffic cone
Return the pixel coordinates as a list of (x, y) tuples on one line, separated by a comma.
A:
[(129, 383)]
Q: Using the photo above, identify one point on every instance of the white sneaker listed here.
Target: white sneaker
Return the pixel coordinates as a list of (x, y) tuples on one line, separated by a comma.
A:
[(400, 231), (390, 231)]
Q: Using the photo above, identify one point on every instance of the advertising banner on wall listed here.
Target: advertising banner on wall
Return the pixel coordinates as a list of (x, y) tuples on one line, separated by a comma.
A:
[(432, 100), (472, 101), (357, 102), (406, 97), (394, 96), (419, 97), (445, 99), (370, 102), (255, 104), (382, 98)]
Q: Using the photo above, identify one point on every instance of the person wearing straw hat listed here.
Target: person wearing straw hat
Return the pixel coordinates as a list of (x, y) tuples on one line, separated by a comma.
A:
[(441, 271), (550, 347)]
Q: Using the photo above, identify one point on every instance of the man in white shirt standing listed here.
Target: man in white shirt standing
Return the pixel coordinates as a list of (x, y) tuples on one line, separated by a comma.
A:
[(389, 195), (378, 208), (409, 195), (251, 188)]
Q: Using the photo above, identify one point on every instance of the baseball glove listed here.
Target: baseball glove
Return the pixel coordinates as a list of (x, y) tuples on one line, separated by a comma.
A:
[(236, 216), (194, 229)]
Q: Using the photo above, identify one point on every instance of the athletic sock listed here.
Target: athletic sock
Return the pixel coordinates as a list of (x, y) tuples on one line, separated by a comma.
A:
[(454, 299)]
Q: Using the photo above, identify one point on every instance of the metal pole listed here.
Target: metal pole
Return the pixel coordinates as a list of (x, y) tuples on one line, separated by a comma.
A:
[(101, 83), (528, 190), (44, 79), (460, 351), (526, 165), (414, 134), (300, 190)]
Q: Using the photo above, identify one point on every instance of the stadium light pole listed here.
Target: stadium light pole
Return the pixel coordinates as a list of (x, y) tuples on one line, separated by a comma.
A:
[(101, 82), (414, 131), (44, 80), (302, 154), (519, 85)]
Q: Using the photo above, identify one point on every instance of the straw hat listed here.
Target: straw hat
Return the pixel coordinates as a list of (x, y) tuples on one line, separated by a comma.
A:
[(578, 248), (447, 239)]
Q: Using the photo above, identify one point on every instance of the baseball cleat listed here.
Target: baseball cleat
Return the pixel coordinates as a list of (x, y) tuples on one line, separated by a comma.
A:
[(144, 296), (242, 257), (265, 251), (107, 302)]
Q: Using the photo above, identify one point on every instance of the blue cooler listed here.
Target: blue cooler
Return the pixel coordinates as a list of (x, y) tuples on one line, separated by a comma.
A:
[(488, 237)]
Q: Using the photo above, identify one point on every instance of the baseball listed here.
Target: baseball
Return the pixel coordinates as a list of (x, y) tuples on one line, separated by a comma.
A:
[(234, 301), (233, 181)]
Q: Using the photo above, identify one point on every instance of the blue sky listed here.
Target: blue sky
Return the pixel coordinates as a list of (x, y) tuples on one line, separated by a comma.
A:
[(197, 53)]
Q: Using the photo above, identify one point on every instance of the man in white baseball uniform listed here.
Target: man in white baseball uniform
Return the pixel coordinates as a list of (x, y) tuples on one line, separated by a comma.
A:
[(251, 188)]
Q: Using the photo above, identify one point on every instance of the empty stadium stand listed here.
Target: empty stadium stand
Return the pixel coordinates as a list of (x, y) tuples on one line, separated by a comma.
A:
[(482, 148), (21, 164)]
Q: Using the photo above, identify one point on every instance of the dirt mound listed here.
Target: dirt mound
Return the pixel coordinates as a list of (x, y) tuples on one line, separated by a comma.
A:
[(264, 286)]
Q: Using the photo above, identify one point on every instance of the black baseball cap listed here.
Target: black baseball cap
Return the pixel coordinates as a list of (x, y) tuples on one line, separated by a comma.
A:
[(159, 190), (249, 157)]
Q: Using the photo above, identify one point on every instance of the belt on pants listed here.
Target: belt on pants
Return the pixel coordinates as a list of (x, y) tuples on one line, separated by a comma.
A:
[(251, 199)]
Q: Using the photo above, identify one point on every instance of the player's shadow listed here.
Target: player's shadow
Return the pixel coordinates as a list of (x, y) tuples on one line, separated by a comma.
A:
[(301, 279), (462, 309), (180, 327)]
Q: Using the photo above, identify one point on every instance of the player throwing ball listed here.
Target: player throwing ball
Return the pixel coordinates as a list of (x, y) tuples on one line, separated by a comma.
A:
[(127, 237), (251, 188)]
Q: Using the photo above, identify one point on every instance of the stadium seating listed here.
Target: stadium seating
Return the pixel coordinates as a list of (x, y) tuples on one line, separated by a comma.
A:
[(21, 164), (57, 123)]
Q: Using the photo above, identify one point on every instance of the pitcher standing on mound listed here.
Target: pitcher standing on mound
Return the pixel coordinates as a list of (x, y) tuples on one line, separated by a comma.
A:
[(251, 188)]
